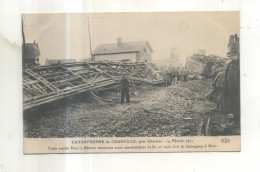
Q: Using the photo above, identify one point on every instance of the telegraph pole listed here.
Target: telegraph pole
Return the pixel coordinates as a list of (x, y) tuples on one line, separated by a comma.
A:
[(23, 45), (91, 56)]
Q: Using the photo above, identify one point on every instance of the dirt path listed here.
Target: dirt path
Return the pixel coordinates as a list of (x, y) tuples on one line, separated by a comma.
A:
[(159, 111)]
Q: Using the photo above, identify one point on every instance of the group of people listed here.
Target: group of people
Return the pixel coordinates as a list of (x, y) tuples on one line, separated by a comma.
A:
[(174, 74)]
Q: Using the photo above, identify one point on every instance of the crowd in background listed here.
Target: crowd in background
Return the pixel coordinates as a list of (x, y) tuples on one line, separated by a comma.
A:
[(173, 75)]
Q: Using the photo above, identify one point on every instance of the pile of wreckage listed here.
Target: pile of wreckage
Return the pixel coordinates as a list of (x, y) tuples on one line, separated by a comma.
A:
[(202, 65), (45, 84)]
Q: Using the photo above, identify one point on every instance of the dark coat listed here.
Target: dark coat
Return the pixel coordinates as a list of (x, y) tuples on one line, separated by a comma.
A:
[(124, 82)]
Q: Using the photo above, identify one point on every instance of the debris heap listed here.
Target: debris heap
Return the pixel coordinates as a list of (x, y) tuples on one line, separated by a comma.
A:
[(49, 83), (202, 64)]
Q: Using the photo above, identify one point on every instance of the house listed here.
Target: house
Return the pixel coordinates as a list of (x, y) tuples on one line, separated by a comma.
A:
[(31, 50), (59, 61), (124, 51), (30, 54)]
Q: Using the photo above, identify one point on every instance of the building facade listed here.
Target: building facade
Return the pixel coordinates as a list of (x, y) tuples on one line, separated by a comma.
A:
[(124, 51)]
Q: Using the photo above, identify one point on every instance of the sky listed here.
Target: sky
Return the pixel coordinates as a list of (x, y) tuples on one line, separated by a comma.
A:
[(61, 35)]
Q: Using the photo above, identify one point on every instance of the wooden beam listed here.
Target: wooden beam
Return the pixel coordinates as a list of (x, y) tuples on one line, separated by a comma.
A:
[(42, 80), (75, 74)]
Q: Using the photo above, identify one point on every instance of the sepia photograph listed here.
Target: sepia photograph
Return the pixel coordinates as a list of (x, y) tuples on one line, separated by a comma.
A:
[(129, 86), (131, 75)]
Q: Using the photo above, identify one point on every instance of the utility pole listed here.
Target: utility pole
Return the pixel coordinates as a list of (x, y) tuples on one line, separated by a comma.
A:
[(23, 45), (23, 33), (91, 56)]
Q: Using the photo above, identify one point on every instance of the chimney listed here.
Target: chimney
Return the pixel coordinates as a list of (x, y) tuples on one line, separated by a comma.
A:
[(119, 41)]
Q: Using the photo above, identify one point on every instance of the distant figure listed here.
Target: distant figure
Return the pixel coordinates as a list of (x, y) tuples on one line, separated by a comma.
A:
[(186, 75), (174, 76), (167, 78), (125, 90), (178, 73), (181, 74)]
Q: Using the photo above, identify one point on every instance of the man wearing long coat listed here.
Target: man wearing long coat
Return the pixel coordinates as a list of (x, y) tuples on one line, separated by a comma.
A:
[(125, 90)]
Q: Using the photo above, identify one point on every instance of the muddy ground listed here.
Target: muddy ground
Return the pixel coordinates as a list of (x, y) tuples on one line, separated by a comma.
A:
[(154, 111)]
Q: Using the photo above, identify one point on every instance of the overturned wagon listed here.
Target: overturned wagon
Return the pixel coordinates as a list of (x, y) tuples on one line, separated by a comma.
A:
[(49, 83)]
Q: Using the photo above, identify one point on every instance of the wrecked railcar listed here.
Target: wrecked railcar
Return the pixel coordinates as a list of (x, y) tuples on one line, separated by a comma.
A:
[(45, 84)]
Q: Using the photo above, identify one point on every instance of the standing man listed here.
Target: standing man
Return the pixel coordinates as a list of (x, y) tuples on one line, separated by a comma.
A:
[(178, 74), (186, 75), (181, 73), (125, 90), (174, 75)]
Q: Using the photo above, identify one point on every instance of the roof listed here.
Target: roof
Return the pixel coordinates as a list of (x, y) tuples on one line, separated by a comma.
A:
[(59, 61), (31, 50), (123, 48)]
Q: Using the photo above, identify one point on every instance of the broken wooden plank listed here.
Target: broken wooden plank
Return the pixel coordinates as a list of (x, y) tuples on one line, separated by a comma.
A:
[(42, 80)]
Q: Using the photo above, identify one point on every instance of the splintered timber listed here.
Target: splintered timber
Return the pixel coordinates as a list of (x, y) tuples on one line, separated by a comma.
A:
[(45, 84)]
